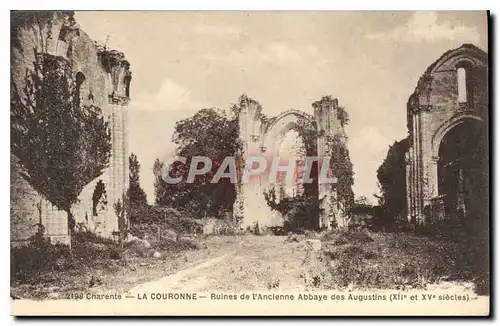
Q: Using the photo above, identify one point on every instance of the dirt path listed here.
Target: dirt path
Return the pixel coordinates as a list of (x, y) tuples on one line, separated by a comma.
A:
[(256, 263), (253, 263), (259, 264)]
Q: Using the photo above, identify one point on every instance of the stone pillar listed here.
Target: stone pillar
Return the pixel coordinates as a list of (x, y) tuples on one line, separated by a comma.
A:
[(120, 75), (328, 127), (250, 206), (118, 177), (433, 177)]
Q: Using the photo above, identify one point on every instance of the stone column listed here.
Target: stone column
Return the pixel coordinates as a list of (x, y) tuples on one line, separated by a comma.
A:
[(249, 205), (120, 76), (433, 177), (328, 126)]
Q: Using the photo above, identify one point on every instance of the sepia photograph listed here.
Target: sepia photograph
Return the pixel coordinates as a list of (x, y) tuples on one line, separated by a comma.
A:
[(249, 163)]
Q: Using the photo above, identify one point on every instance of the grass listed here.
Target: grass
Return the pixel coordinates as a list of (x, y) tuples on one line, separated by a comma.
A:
[(42, 270), (346, 260), (395, 261)]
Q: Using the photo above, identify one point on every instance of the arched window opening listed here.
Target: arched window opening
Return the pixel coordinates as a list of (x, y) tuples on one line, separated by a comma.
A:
[(462, 85)]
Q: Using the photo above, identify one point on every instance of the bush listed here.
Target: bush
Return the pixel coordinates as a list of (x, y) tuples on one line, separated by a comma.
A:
[(41, 257), (167, 217), (299, 212), (351, 266), (81, 238), (37, 257), (175, 246), (445, 229)]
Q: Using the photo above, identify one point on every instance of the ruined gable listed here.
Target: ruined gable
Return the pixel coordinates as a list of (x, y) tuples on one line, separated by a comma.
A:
[(102, 78)]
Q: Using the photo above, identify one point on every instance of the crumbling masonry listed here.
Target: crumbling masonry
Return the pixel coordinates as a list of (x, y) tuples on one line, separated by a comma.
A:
[(102, 77), (446, 169), (262, 137)]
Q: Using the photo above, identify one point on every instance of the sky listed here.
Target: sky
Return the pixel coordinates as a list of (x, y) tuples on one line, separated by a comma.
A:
[(371, 61)]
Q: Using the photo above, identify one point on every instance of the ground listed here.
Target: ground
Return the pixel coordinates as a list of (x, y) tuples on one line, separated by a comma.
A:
[(268, 263)]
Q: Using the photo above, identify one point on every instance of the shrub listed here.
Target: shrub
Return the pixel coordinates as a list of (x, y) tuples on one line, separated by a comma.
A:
[(166, 217), (37, 257), (89, 237), (299, 212), (171, 245)]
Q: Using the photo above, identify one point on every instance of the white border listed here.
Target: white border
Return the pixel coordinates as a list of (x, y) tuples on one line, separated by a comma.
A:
[(199, 5)]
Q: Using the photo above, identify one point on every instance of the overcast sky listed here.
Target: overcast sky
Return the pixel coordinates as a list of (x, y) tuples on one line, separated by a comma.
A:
[(370, 61)]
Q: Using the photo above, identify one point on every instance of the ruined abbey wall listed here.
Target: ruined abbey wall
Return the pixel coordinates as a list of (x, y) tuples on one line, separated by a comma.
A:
[(103, 77), (433, 109), (262, 136)]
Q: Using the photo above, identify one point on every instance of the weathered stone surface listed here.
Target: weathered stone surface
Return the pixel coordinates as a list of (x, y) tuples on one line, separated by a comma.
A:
[(156, 255), (262, 136), (432, 110), (105, 76)]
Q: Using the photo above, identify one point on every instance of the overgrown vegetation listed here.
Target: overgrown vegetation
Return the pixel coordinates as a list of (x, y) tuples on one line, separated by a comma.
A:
[(342, 169), (210, 133), (299, 212), (135, 194), (302, 211), (359, 259), (41, 263), (392, 183), (61, 145)]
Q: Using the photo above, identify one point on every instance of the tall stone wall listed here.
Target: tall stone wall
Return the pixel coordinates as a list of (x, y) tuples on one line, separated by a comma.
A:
[(432, 110), (329, 126), (262, 137), (103, 77)]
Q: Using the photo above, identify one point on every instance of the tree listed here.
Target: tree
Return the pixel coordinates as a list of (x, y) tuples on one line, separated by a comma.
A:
[(160, 185), (211, 133), (392, 183), (136, 195), (60, 145)]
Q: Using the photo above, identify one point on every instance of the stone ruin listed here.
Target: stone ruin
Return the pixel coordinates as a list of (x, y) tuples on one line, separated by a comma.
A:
[(102, 77), (261, 136)]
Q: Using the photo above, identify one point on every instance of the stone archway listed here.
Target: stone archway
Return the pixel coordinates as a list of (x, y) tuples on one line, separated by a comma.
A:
[(451, 93), (462, 170), (261, 136)]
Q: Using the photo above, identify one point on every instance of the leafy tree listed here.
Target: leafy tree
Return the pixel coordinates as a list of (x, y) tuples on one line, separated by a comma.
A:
[(135, 194), (160, 185), (211, 133), (60, 145), (392, 183)]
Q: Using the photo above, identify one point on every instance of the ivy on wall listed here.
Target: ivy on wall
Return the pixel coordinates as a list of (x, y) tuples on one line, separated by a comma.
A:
[(61, 146), (341, 168)]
